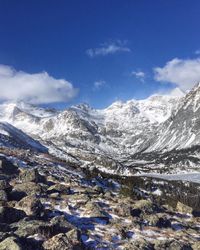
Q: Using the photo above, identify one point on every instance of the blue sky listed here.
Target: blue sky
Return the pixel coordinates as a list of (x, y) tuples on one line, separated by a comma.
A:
[(107, 49)]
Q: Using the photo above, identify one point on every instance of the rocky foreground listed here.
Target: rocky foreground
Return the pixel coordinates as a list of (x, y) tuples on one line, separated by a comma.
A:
[(45, 204)]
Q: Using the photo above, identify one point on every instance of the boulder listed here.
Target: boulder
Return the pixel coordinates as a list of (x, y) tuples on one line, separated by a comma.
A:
[(61, 225), (144, 207), (9, 215), (157, 220), (182, 208), (59, 188), (11, 243), (25, 228), (58, 242), (31, 175), (31, 206), (93, 210), (196, 245), (28, 188), (74, 236)]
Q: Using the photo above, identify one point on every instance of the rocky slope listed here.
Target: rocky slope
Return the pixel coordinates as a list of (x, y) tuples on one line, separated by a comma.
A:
[(48, 205), (76, 194)]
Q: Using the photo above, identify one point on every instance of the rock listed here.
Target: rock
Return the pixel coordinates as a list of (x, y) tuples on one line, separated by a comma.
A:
[(171, 245), (61, 225), (29, 188), (123, 209), (58, 242), (9, 215), (144, 207), (79, 198), (196, 246), (3, 196), (55, 195), (30, 205), (31, 175), (6, 167), (25, 228), (11, 243), (182, 208), (74, 236), (59, 188), (11, 203), (139, 244), (94, 210), (157, 220)]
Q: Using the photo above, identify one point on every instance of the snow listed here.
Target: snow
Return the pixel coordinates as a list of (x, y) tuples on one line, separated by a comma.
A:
[(190, 140), (121, 127), (157, 192), (190, 177)]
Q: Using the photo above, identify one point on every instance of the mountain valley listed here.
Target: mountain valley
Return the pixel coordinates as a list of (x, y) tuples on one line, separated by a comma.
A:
[(124, 177)]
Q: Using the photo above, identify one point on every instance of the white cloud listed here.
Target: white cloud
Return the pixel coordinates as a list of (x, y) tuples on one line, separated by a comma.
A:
[(183, 73), (99, 84), (34, 88), (108, 48), (139, 75)]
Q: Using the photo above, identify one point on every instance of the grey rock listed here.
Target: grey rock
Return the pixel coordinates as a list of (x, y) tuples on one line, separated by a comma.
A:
[(31, 206), (11, 243), (31, 175), (25, 228), (58, 242)]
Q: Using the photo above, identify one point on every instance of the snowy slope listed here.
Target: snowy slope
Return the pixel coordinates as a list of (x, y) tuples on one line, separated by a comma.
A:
[(95, 137), (120, 128), (13, 137), (182, 130)]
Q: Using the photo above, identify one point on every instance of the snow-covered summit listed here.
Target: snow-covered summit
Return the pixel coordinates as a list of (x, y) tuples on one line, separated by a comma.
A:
[(123, 133), (120, 128)]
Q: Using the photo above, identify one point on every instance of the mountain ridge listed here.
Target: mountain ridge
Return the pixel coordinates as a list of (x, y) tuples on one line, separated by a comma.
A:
[(120, 135)]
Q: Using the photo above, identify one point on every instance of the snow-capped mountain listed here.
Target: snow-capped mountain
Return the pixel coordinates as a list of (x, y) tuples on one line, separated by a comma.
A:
[(81, 134), (182, 130), (120, 128), (159, 133)]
